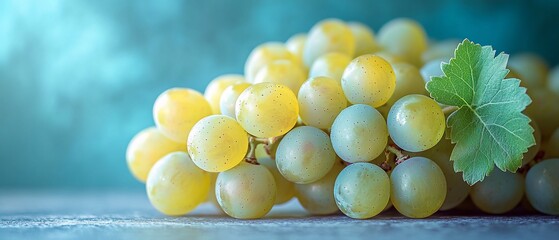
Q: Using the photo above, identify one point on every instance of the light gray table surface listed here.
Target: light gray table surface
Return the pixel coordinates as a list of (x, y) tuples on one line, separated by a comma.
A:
[(118, 215)]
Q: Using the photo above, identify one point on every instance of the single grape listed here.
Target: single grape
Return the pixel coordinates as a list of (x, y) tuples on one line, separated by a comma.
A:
[(553, 80), (282, 72), (330, 65), (246, 191), (285, 189), (318, 197), (456, 189), (432, 69), (305, 155), (216, 87), (499, 192), (321, 99), (176, 110), (217, 143), (229, 98), (408, 81), (440, 50), (390, 57), (533, 150), (542, 186), (416, 123), (369, 79), (405, 38), (211, 193), (146, 148), (362, 190), (330, 35), (267, 110), (359, 134), (175, 186), (552, 147), (296, 44), (265, 54), (418, 187), (532, 69), (364, 39)]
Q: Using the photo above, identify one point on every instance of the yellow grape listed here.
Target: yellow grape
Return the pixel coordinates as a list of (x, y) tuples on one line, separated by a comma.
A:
[(267, 110), (246, 192), (405, 38), (265, 54), (229, 98), (176, 110), (285, 189), (175, 186), (146, 148), (532, 69), (330, 35), (364, 39), (440, 50), (296, 44), (330, 65), (533, 150), (282, 72), (318, 197), (369, 79), (217, 143), (216, 87), (321, 99), (408, 81)]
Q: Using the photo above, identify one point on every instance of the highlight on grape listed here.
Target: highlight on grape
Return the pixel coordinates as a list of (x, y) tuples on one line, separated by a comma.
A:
[(348, 121)]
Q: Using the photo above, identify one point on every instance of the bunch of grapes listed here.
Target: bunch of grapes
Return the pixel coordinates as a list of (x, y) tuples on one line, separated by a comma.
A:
[(340, 119)]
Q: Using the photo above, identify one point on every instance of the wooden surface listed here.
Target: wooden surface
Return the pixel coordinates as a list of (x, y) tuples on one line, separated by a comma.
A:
[(101, 215)]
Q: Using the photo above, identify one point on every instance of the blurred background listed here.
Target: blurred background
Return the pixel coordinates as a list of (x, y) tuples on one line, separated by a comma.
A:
[(78, 78)]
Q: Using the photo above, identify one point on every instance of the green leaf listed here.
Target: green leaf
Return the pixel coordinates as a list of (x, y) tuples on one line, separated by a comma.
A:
[(489, 127)]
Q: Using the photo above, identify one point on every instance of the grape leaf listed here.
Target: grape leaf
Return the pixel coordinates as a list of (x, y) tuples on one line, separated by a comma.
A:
[(489, 127)]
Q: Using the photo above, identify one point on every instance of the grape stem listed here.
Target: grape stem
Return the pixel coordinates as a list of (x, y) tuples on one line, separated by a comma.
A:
[(449, 110), (400, 157), (251, 155), (268, 146), (385, 165)]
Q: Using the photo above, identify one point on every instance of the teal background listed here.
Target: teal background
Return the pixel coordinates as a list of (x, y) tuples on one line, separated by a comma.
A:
[(78, 78)]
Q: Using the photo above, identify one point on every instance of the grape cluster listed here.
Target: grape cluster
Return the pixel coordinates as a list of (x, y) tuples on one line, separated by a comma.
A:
[(340, 119)]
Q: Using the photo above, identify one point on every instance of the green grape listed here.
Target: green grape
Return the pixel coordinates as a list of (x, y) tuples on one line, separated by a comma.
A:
[(285, 189), (408, 81), (432, 69), (499, 192), (456, 189), (532, 69), (229, 98), (265, 54), (405, 38), (416, 123), (267, 110), (359, 134), (175, 186), (296, 44), (146, 148), (362, 190), (318, 197), (217, 143), (330, 35), (330, 65), (282, 72), (418, 187), (440, 50), (321, 99), (369, 79), (305, 155), (543, 112), (553, 80), (552, 148), (542, 186), (533, 150), (390, 57), (246, 191), (364, 39), (176, 110), (216, 87)]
